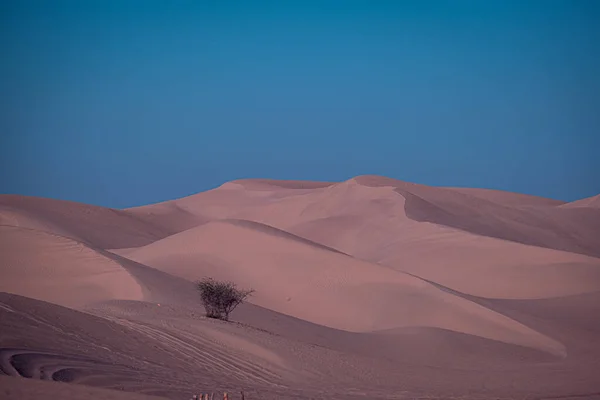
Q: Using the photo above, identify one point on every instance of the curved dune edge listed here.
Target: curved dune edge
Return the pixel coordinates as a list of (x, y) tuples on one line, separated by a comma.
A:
[(270, 184), (430, 344), (325, 287), (97, 226), (170, 217), (60, 270), (270, 230), (505, 198), (592, 202), (17, 218), (549, 227)]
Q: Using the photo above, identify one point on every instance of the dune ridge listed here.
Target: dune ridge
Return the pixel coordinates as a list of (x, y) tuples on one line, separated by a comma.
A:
[(543, 227), (98, 226), (368, 287), (592, 202), (514, 217)]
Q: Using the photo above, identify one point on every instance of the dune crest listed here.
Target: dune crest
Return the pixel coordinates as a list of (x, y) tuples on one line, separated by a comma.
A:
[(591, 202), (513, 217), (98, 226)]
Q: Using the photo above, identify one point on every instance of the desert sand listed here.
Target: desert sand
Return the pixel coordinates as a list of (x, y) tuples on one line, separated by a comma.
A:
[(368, 288)]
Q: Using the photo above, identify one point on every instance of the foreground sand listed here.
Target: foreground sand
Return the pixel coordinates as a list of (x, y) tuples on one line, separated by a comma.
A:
[(18, 389), (366, 288)]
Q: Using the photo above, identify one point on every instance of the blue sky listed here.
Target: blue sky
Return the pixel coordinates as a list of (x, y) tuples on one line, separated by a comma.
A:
[(122, 103)]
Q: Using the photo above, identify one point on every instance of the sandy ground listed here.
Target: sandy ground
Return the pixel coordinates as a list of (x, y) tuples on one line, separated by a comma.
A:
[(366, 288), (18, 389)]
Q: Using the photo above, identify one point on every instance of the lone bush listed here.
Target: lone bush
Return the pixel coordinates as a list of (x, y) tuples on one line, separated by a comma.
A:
[(220, 298)]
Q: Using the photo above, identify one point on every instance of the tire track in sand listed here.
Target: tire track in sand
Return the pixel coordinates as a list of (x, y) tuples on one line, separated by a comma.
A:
[(217, 359)]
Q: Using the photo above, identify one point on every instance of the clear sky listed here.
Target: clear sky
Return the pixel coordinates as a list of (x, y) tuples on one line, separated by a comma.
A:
[(122, 103)]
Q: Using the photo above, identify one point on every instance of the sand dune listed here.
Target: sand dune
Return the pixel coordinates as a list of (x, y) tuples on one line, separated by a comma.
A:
[(60, 270), (324, 287), (81, 348), (48, 267), (469, 263), (592, 202), (508, 198), (366, 217), (171, 351), (270, 184), (234, 197), (513, 217), (98, 226), (371, 287), (372, 223), (544, 227), (169, 217)]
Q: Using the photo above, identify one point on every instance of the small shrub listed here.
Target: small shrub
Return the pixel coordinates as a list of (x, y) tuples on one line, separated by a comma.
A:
[(220, 298)]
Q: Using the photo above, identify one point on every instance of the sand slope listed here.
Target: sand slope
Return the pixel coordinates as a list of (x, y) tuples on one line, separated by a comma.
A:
[(374, 224), (19, 389), (117, 353), (508, 198), (545, 227), (323, 286), (593, 202), (60, 270), (469, 263), (173, 351), (98, 226), (48, 267)]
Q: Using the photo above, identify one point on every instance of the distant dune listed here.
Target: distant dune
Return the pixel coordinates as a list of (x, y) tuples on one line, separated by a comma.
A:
[(592, 202), (98, 226), (371, 287), (508, 216), (508, 198)]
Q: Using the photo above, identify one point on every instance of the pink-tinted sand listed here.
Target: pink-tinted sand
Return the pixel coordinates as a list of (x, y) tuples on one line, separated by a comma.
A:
[(371, 287)]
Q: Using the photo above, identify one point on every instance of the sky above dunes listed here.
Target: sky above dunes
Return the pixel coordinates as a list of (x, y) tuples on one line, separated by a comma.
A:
[(122, 103)]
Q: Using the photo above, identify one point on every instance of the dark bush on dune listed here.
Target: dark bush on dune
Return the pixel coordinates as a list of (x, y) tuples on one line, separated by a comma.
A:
[(220, 298)]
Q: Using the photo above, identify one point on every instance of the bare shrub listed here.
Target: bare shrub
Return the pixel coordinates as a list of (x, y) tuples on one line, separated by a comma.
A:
[(220, 298)]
